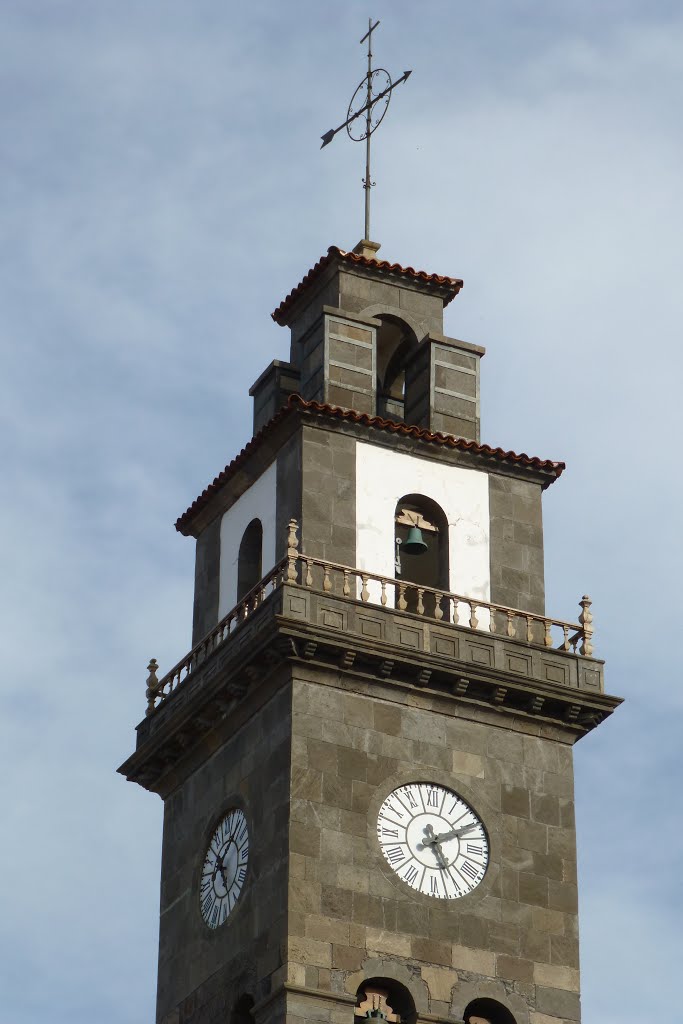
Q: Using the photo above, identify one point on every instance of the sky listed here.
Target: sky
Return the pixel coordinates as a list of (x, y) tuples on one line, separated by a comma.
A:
[(162, 191)]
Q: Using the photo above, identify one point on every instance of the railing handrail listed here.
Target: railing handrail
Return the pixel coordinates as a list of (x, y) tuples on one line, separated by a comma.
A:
[(286, 572), (462, 598), (156, 686)]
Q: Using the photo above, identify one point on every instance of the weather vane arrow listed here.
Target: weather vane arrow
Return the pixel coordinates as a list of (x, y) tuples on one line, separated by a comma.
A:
[(367, 108)]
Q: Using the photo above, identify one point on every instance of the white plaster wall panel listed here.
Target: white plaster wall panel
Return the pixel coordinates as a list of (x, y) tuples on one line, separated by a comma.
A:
[(256, 503), (383, 477)]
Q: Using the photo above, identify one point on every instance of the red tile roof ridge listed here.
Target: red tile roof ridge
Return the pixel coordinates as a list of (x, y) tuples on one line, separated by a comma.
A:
[(407, 429), (454, 284), (297, 403)]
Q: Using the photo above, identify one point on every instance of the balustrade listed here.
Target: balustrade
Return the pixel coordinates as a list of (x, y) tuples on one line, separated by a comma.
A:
[(300, 569)]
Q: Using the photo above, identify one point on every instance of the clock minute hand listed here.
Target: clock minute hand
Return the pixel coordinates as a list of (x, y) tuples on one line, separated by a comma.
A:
[(456, 832)]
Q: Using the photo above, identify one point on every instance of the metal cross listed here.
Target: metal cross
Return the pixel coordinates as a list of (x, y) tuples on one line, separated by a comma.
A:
[(371, 99)]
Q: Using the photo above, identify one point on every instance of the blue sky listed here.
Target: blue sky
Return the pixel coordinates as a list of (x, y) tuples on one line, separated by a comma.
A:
[(162, 190)]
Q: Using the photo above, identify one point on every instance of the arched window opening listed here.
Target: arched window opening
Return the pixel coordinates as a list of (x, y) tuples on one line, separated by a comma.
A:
[(487, 1011), (384, 999), (419, 519), (243, 1011), (396, 343), (249, 559)]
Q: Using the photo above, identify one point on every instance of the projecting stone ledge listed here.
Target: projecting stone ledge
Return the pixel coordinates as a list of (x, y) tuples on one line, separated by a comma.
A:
[(395, 653)]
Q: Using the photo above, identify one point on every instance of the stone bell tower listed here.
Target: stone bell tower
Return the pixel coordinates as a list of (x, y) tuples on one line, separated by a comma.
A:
[(366, 757)]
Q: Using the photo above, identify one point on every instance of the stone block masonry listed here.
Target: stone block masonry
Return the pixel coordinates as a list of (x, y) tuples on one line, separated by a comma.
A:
[(514, 937)]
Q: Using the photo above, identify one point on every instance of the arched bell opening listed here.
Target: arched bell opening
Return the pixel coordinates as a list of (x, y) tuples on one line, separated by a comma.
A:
[(487, 1011), (396, 343), (243, 1012), (421, 543), (383, 999), (250, 559)]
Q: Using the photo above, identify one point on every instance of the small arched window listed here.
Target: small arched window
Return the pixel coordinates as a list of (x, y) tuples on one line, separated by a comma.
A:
[(384, 998), (396, 343), (243, 1011), (250, 559), (418, 517), (487, 1011)]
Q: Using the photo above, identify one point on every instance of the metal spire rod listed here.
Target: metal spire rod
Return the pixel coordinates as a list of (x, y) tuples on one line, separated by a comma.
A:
[(373, 105), (367, 183)]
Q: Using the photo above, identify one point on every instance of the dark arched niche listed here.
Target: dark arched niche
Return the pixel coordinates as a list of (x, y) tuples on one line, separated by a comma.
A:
[(243, 1011), (387, 995), (488, 1010), (396, 343), (431, 568), (249, 559)]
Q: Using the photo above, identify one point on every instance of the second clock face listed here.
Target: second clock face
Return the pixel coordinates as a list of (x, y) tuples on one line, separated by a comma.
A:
[(433, 840), (224, 869)]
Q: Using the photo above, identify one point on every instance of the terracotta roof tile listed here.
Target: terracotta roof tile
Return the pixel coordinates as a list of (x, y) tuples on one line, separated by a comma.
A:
[(452, 284), (298, 405)]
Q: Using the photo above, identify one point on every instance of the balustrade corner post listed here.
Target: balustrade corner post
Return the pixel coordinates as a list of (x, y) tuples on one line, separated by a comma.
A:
[(292, 551), (152, 686), (586, 620)]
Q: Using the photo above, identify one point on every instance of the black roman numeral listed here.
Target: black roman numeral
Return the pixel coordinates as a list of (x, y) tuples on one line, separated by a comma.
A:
[(411, 874), (434, 886), (390, 833), (432, 798), (469, 870), (394, 854), (476, 850)]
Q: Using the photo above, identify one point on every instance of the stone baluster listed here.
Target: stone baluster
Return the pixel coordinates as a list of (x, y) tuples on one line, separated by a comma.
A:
[(365, 593), (402, 603), (548, 636), (492, 619), (511, 623), (420, 604), (529, 629), (438, 610), (327, 582), (456, 612), (292, 552), (309, 574), (565, 643), (586, 620), (474, 621), (346, 589), (383, 598), (152, 686)]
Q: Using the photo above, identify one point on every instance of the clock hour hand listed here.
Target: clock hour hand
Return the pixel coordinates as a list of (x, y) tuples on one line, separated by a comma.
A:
[(433, 841)]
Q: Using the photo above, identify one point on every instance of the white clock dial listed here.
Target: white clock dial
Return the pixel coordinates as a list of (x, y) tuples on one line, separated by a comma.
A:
[(224, 869), (433, 840)]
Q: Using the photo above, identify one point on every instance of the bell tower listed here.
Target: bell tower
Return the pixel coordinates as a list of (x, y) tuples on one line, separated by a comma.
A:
[(366, 756)]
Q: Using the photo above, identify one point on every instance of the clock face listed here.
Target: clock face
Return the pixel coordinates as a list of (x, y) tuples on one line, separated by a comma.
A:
[(225, 868), (433, 840)]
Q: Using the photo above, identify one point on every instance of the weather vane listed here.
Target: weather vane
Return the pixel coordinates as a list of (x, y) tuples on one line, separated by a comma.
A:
[(366, 111)]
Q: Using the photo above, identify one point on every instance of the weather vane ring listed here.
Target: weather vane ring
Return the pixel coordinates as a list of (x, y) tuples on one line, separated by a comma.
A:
[(359, 115), (368, 106)]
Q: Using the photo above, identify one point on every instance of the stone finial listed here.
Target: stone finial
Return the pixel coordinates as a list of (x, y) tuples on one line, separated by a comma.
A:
[(586, 620), (292, 551), (367, 249), (152, 686)]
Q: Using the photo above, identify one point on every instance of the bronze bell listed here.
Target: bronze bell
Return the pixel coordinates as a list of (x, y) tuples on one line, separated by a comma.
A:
[(414, 543), (375, 1014)]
